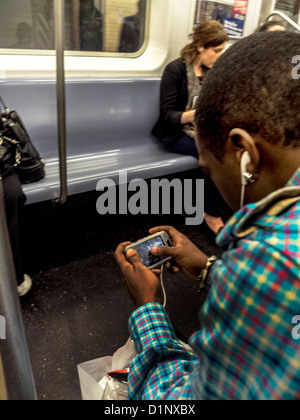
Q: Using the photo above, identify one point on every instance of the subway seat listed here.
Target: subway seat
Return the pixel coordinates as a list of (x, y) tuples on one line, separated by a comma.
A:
[(108, 130)]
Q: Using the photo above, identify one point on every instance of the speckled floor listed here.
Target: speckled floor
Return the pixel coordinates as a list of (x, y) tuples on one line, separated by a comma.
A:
[(78, 308)]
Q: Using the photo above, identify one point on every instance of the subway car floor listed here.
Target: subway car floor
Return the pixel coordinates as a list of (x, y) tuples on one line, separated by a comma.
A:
[(78, 308)]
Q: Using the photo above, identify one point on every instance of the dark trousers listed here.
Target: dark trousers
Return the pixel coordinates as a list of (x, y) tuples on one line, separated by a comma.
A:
[(14, 200), (185, 145), (214, 204)]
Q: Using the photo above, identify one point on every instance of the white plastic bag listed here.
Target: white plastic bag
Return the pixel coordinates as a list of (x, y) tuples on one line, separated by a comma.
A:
[(113, 389), (95, 384)]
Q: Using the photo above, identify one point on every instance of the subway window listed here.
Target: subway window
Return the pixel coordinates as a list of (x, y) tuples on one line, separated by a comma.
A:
[(290, 8), (94, 26)]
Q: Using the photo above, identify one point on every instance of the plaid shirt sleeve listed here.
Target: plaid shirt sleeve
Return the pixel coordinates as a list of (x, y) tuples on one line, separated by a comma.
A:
[(163, 365)]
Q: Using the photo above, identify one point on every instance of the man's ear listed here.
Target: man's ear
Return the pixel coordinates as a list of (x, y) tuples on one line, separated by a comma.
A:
[(241, 141)]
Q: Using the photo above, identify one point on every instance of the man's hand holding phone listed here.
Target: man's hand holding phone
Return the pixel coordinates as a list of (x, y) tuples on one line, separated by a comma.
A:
[(142, 284), (187, 255), (164, 244)]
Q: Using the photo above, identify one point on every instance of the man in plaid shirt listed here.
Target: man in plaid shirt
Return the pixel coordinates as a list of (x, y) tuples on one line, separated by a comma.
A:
[(248, 128)]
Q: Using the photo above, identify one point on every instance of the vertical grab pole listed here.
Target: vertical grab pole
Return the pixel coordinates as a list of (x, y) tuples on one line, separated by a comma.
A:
[(59, 13), (14, 352)]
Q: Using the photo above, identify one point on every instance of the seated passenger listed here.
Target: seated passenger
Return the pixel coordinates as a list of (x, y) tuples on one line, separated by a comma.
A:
[(270, 26), (14, 200), (180, 88), (24, 36), (181, 84), (91, 27), (249, 142), (133, 30)]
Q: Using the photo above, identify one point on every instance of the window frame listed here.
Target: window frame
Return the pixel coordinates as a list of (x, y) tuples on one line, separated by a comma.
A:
[(75, 53), (168, 29)]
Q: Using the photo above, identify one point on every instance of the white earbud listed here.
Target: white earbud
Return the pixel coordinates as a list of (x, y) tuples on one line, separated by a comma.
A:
[(245, 176)]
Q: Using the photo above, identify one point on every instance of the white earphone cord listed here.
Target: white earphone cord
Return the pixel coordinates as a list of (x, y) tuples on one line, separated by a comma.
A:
[(242, 195), (162, 285)]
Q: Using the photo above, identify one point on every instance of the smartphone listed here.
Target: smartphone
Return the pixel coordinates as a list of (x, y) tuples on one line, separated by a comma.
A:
[(194, 103), (144, 246)]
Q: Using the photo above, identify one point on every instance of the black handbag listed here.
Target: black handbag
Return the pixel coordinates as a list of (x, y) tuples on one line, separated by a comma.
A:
[(16, 149), (9, 156)]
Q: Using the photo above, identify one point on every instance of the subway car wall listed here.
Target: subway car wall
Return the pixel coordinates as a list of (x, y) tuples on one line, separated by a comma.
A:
[(113, 88)]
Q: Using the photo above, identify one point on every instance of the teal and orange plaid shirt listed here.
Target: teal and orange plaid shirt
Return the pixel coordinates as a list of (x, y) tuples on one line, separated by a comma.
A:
[(245, 347)]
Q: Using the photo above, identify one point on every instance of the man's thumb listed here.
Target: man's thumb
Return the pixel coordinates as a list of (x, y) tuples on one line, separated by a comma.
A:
[(133, 257), (163, 251)]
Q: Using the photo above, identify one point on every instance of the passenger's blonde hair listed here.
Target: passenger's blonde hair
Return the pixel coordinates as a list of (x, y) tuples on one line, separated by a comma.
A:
[(208, 34)]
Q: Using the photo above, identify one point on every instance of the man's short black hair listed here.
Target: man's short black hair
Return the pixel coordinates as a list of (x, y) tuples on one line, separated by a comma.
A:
[(253, 86)]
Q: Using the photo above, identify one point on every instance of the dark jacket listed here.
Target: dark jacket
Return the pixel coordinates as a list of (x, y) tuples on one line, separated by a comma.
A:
[(132, 34), (173, 102)]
